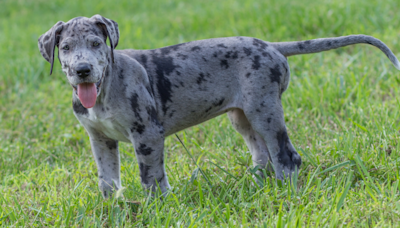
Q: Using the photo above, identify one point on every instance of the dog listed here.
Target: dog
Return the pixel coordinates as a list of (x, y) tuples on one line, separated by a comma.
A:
[(142, 96)]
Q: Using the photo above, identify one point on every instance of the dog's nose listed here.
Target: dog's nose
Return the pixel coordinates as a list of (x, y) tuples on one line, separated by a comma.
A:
[(83, 70)]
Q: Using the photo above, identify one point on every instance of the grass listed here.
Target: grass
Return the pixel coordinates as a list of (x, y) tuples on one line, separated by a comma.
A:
[(341, 109)]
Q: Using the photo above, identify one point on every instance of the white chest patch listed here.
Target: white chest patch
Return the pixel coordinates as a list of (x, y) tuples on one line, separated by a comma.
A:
[(108, 125)]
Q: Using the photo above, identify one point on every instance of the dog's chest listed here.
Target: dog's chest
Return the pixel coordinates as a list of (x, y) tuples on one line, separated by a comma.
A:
[(108, 124)]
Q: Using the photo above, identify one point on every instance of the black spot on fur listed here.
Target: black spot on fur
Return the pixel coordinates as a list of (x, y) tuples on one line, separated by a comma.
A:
[(256, 63), (329, 43), (135, 106), (94, 31), (235, 55), (300, 45), (151, 111), (201, 78), (144, 172), (285, 67), (224, 64), (196, 48), (248, 75), (208, 109), (78, 108), (266, 54), (144, 150), (219, 103), (231, 54), (285, 154), (137, 127), (308, 42), (275, 74), (222, 46), (78, 57), (169, 49), (204, 59), (164, 67), (143, 60), (112, 145), (149, 90), (182, 56), (121, 74), (258, 110), (260, 44), (247, 51)]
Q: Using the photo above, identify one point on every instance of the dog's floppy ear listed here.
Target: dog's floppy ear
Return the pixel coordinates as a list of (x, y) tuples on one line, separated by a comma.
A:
[(48, 41), (110, 28)]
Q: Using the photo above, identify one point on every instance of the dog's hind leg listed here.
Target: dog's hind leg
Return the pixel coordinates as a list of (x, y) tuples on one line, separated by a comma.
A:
[(254, 141), (267, 119)]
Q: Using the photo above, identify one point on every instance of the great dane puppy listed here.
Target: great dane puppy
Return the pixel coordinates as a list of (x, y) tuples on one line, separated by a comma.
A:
[(142, 96)]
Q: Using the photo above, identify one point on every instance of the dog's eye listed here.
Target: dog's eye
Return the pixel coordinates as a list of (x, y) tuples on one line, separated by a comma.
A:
[(95, 44), (66, 47)]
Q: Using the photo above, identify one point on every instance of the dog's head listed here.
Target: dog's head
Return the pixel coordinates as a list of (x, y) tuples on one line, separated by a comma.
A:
[(83, 52)]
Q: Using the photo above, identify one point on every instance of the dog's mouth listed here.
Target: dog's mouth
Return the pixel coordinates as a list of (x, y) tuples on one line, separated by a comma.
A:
[(87, 92)]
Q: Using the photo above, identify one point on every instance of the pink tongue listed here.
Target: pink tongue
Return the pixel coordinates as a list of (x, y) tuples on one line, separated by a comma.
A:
[(87, 93)]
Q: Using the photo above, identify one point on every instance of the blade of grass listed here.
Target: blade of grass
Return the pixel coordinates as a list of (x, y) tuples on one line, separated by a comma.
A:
[(194, 161)]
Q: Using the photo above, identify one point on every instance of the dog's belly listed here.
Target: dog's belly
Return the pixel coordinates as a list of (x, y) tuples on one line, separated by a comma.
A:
[(189, 116)]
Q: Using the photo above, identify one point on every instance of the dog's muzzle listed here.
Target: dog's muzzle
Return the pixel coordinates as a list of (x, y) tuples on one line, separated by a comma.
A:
[(87, 91)]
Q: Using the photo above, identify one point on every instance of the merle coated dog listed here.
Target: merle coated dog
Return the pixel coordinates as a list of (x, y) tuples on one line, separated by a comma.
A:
[(142, 96)]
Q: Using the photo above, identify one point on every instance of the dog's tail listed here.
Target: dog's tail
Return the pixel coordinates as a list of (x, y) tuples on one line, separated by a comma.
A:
[(325, 44)]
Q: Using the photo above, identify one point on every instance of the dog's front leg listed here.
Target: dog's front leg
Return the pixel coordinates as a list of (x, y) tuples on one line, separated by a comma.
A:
[(106, 154), (149, 149)]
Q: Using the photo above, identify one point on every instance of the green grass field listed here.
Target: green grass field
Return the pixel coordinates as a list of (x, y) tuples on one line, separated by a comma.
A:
[(341, 110)]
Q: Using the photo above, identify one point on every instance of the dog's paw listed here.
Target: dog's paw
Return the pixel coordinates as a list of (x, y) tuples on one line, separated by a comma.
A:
[(287, 169), (157, 188), (107, 188)]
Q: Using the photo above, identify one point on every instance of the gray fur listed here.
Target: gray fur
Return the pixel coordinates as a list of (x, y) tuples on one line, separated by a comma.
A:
[(146, 95)]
